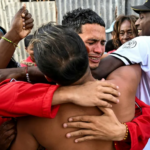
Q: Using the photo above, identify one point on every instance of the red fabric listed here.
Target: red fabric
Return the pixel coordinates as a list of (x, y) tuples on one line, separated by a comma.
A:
[(27, 60), (21, 98), (139, 129), (35, 99)]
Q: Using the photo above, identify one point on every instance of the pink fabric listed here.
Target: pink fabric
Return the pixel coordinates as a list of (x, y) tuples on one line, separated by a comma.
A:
[(111, 51)]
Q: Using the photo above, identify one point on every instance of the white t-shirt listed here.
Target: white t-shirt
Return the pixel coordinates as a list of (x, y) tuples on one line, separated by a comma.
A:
[(137, 51)]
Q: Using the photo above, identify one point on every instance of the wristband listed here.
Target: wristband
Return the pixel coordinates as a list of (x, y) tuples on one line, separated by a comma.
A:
[(127, 132), (14, 44), (27, 74)]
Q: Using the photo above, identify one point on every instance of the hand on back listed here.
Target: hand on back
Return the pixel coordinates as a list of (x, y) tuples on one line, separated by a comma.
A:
[(7, 134), (96, 93)]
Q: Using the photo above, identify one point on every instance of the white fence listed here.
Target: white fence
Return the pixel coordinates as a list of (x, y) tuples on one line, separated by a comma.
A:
[(42, 13), (45, 11), (107, 9)]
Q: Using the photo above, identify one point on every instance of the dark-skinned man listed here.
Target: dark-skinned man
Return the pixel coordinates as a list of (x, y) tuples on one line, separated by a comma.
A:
[(21, 26)]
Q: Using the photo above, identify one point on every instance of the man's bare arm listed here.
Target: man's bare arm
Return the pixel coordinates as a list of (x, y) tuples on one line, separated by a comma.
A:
[(106, 66), (96, 93), (21, 26), (35, 75)]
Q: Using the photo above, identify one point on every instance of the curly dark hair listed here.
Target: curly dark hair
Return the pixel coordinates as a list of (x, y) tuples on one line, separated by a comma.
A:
[(78, 17), (132, 19)]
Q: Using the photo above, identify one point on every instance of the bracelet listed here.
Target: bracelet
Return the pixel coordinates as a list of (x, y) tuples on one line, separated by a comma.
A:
[(127, 132), (27, 74), (14, 44)]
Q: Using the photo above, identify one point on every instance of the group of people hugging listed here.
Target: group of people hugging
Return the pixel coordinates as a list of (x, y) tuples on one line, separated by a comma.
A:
[(69, 93)]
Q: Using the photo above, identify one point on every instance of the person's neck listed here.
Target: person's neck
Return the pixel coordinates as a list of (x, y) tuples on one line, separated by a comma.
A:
[(86, 78), (90, 77)]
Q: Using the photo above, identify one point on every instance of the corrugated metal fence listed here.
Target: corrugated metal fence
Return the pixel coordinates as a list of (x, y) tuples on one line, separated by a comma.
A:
[(42, 12), (105, 8)]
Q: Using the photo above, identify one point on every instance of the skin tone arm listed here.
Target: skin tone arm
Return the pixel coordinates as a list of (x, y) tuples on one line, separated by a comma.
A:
[(97, 93), (104, 55), (20, 74), (111, 63), (21, 26), (101, 127), (7, 134)]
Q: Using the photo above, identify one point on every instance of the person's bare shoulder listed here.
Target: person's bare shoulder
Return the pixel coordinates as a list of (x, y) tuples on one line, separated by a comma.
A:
[(24, 139), (127, 72), (50, 132), (127, 78)]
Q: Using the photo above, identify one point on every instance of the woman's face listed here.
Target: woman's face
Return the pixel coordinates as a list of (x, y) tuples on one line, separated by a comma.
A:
[(126, 33), (30, 51)]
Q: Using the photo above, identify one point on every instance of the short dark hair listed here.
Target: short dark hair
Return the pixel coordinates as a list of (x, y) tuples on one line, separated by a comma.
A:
[(78, 17), (27, 40), (60, 53)]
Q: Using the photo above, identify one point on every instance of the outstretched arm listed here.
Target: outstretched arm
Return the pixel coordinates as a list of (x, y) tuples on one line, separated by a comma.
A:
[(106, 66), (35, 75), (21, 26), (40, 97)]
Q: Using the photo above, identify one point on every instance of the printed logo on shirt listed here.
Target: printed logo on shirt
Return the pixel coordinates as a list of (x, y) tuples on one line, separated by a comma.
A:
[(130, 44)]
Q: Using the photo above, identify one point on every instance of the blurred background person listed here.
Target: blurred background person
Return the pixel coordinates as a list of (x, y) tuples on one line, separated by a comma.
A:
[(30, 61), (124, 30), (21, 26), (110, 45), (110, 29)]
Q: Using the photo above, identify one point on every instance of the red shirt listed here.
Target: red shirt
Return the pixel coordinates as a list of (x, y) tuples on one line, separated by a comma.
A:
[(22, 98)]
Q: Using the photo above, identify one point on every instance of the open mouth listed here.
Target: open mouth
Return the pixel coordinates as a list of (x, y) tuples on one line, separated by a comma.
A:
[(94, 59)]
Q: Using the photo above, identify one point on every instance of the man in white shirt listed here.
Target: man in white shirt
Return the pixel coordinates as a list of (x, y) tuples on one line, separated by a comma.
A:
[(138, 51)]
